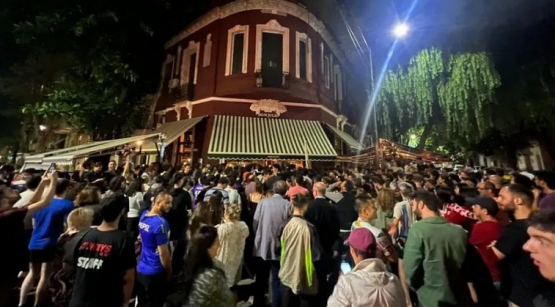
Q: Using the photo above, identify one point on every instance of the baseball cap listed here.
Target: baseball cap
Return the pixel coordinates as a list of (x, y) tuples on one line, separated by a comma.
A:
[(486, 203), (362, 240)]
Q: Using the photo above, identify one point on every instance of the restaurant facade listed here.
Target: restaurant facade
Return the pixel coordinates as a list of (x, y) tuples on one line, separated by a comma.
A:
[(252, 80)]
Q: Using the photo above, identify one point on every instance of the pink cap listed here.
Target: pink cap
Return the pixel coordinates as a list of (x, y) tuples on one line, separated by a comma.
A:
[(362, 240)]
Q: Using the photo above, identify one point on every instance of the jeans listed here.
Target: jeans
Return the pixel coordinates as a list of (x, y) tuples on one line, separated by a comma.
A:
[(265, 269)]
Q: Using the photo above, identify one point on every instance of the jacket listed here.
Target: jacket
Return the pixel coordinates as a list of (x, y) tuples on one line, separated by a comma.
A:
[(299, 249), (210, 289), (346, 211), (433, 257), (270, 215), (324, 217), (368, 284)]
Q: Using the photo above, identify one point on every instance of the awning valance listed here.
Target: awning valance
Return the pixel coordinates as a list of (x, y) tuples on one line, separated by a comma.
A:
[(349, 140), (252, 138), (172, 131), (67, 158)]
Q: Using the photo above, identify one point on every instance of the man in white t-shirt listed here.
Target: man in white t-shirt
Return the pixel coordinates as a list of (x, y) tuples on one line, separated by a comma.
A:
[(403, 217), (366, 209)]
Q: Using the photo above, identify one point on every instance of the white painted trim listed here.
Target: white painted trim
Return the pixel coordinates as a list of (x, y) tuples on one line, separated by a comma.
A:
[(179, 49), (331, 67), (327, 71), (338, 88), (238, 29), (186, 61), (227, 99), (207, 51), (280, 7), (322, 57), (272, 27), (303, 37)]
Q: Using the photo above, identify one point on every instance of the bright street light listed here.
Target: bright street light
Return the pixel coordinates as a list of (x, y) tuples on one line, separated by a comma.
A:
[(401, 30), (413, 136), (43, 127)]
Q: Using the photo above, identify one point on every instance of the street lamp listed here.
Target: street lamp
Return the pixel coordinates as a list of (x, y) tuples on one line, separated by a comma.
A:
[(401, 30), (43, 127), (413, 136)]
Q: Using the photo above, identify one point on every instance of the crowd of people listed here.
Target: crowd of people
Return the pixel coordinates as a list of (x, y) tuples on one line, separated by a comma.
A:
[(191, 235)]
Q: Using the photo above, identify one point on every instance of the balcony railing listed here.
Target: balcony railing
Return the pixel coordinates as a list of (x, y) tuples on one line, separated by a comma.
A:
[(186, 92), (272, 78)]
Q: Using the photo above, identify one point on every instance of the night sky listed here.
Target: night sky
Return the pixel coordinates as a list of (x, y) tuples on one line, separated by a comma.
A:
[(455, 25)]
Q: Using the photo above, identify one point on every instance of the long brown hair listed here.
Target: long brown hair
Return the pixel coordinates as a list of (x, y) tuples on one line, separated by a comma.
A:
[(89, 196), (386, 200)]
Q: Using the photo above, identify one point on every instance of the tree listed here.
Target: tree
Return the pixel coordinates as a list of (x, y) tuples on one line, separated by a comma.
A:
[(453, 93), (111, 53)]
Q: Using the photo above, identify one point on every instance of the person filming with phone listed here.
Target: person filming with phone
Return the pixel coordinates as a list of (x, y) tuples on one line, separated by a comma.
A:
[(369, 272)]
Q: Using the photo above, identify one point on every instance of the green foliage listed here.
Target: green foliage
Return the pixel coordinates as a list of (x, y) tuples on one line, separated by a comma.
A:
[(453, 94)]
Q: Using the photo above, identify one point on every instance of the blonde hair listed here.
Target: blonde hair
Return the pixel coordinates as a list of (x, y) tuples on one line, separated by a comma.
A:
[(233, 211), (80, 218)]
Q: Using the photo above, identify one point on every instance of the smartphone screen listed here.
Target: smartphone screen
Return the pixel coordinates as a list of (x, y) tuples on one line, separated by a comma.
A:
[(51, 168), (345, 267)]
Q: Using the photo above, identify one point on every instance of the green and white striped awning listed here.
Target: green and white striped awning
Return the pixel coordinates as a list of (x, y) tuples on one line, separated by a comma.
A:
[(172, 131), (349, 140), (252, 138)]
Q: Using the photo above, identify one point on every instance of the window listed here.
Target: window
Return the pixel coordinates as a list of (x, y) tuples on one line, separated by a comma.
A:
[(237, 50), (327, 71), (237, 53), (189, 63), (207, 51), (272, 27), (304, 57), (322, 57)]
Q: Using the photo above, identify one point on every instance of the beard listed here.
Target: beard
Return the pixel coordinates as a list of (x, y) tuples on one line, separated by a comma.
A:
[(418, 214)]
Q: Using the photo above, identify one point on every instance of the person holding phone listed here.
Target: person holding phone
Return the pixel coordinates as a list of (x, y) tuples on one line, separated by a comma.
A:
[(12, 229), (369, 272), (48, 226)]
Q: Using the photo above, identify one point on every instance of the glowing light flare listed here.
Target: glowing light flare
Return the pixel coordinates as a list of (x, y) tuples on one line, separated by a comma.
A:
[(401, 30)]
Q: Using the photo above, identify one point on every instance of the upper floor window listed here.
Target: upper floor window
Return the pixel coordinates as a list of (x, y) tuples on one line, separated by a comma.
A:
[(272, 54), (327, 71), (237, 50), (303, 57)]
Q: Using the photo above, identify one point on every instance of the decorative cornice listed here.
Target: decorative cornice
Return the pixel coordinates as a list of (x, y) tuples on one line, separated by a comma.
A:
[(269, 6)]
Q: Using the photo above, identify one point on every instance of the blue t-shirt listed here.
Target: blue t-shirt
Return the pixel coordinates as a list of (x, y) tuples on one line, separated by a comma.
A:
[(49, 224), (155, 231)]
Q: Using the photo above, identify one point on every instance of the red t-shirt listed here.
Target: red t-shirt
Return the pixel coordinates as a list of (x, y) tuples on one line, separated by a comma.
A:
[(483, 234)]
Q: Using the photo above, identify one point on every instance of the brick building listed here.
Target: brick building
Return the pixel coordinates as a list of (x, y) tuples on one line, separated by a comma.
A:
[(254, 80), (260, 80)]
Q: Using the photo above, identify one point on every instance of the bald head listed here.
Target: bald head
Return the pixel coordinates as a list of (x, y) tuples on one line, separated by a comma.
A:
[(319, 189)]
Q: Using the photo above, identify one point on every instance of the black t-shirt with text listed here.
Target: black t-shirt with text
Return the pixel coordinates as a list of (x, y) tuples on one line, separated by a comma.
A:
[(100, 259), (521, 281)]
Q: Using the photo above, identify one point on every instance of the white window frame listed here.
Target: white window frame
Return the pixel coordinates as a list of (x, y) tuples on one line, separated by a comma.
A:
[(331, 68), (186, 61), (303, 37), (178, 58), (339, 84), (207, 51), (322, 56), (271, 27), (327, 73), (238, 29)]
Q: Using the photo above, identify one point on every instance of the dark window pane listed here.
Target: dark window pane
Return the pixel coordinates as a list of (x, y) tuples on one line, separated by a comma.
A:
[(302, 59), (272, 60), (238, 45)]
